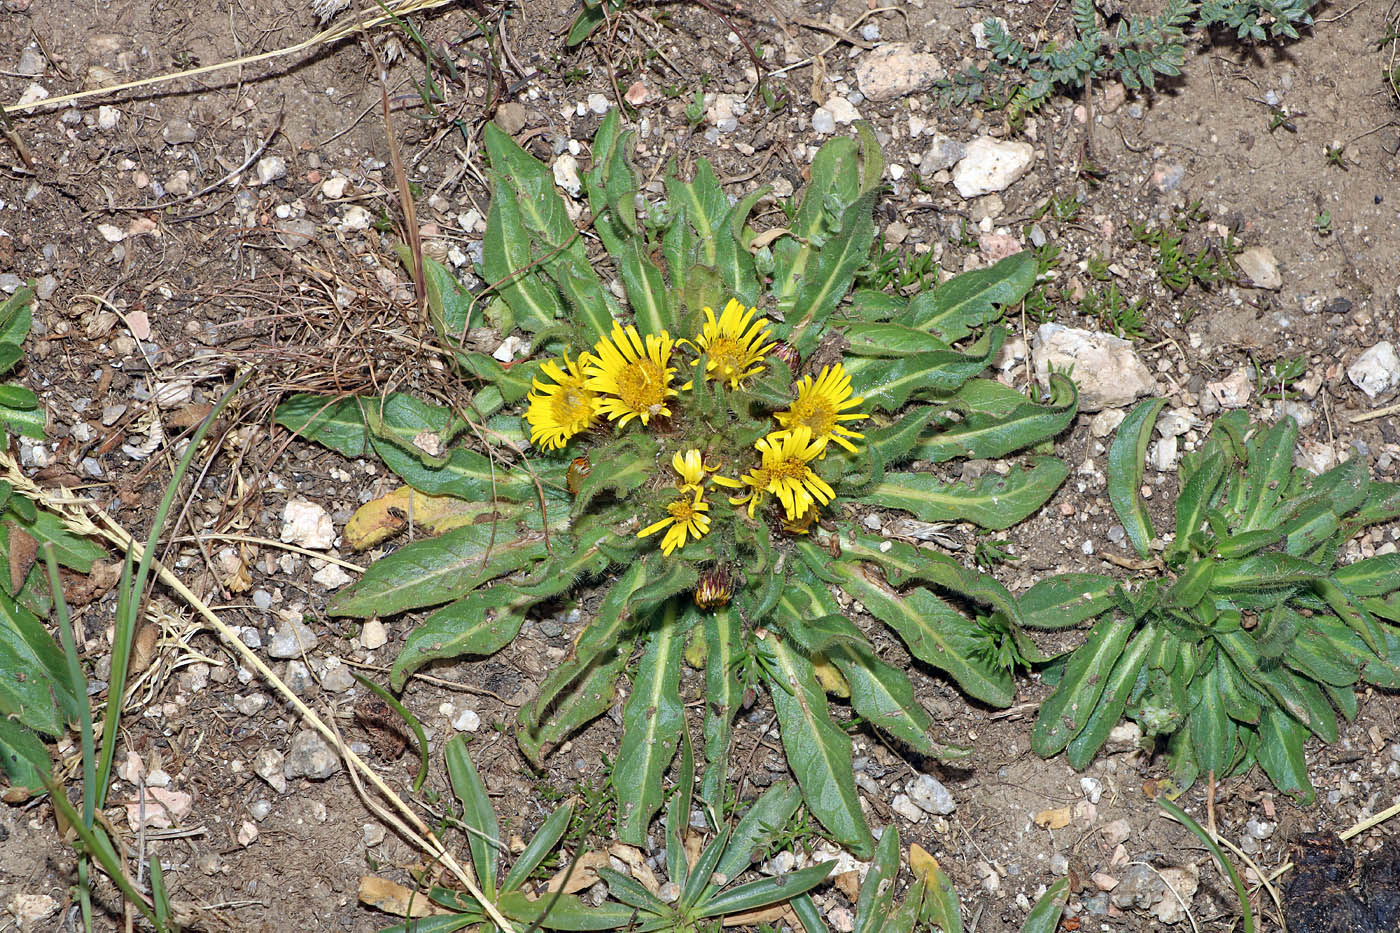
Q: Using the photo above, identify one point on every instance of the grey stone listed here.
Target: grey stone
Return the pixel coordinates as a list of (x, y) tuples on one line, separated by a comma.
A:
[(335, 676), (311, 756), (31, 63), (298, 678), (293, 636), (905, 807), (178, 131), (511, 117), (943, 153), (929, 795), (269, 169), (296, 232), (1260, 267)]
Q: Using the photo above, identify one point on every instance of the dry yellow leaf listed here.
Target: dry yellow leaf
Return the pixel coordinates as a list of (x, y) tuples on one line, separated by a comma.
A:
[(383, 894), (778, 913), (636, 863), (1054, 819), (583, 876), (380, 519), (922, 865), (831, 679)]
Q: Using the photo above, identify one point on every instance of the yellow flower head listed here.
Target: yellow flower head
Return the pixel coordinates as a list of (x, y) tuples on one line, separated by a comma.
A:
[(821, 407), (559, 411), (755, 481), (691, 469), (734, 344), (786, 456), (632, 377), (685, 516)]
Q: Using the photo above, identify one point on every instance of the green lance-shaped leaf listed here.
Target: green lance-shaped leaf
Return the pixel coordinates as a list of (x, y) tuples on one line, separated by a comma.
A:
[(450, 306), (483, 836), (766, 891), (818, 752), (437, 570), (1065, 600), (877, 892), (540, 847), (972, 299), (1065, 713), (1125, 466), (582, 700), (509, 266), (1382, 505), (705, 207), (1045, 915), (16, 317), (34, 678), (1198, 489), (47, 528), (532, 183), (891, 340), (1270, 462), (465, 474), (512, 382), (646, 289), (652, 720), (933, 631), (1280, 754), (830, 274), (763, 822), (1371, 576), (24, 759), (982, 436), (479, 624), (1109, 709), (612, 185), (888, 384), (833, 185), (592, 307), (994, 502), (884, 697), (1212, 731), (334, 423), (563, 911), (678, 808), (724, 650), (940, 900), (735, 263)]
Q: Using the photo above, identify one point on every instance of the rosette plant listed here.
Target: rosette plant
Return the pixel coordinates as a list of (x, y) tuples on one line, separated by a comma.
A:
[(695, 453), (1241, 634)]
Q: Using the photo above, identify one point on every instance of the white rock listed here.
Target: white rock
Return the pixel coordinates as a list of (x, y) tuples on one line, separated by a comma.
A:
[(307, 524), (111, 233), (1299, 412), (1377, 370), (1233, 391), (310, 756), (902, 805), (268, 765), (32, 95), (724, 112), (1176, 422), (944, 153), (270, 169), (566, 174), (331, 576), (979, 32), (468, 720), (1092, 788), (1315, 456), (31, 63), (991, 165), (896, 70), (598, 104), (356, 218), (292, 638), (513, 346), (929, 795), (1163, 454), (108, 118), (1260, 267), (29, 909), (1106, 422), (842, 110), (373, 635), (334, 187), (336, 676), (1106, 368), (823, 122), (179, 131)]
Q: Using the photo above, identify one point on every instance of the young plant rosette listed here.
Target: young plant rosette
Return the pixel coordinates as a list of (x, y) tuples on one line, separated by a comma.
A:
[(699, 467)]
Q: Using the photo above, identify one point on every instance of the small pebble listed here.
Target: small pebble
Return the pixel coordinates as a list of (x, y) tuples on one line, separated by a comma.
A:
[(270, 169)]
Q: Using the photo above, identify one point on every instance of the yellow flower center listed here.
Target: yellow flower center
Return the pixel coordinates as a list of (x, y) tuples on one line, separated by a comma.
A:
[(816, 411), (788, 468), (640, 385), (571, 404), (683, 510), (728, 357)]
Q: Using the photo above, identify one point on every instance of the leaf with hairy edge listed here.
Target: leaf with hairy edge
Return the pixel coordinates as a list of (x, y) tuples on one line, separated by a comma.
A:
[(584, 699), (678, 809), (620, 466), (1270, 463), (1280, 754), (724, 650), (1198, 489), (334, 423), (449, 304), (34, 684), (565, 911), (830, 275), (436, 570), (983, 436), (69, 550), (884, 697), (705, 209), (479, 624), (532, 183), (1382, 505), (466, 474), (760, 825), (834, 184), (1065, 600), (612, 185), (540, 846), (973, 298), (994, 502), (24, 759), (933, 631), (477, 813), (940, 898), (1109, 709), (1372, 576), (509, 268), (646, 290), (600, 641), (734, 262), (513, 382), (877, 892), (679, 246), (652, 720), (1125, 467), (889, 384), (765, 891), (1064, 714), (818, 752)]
